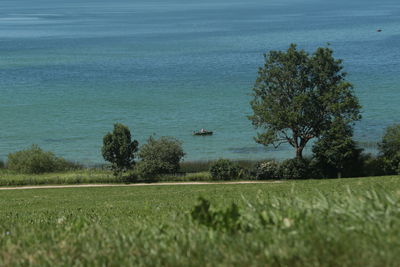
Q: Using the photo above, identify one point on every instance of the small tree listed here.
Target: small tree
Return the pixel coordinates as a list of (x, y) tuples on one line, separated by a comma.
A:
[(336, 147), (297, 96), (119, 149), (389, 149), (34, 160), (160, 156)]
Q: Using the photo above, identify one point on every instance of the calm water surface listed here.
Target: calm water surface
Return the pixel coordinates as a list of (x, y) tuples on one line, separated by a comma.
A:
[(70, 69)]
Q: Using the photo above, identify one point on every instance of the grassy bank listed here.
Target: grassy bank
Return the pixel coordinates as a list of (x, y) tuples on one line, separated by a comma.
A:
[(348, 222), (9, 178), (204, 165), (85, 176)]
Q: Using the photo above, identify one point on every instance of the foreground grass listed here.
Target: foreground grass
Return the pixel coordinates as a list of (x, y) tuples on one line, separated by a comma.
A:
[(317, 222)]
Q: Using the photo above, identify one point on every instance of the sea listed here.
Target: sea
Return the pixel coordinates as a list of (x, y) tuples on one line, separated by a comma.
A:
[(70, 69)]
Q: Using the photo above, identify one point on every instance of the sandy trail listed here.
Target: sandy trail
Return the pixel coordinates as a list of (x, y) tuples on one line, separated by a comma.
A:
[(129, 185)]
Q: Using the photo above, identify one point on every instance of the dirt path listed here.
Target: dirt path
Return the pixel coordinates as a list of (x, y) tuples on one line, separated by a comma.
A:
[(128, 185)]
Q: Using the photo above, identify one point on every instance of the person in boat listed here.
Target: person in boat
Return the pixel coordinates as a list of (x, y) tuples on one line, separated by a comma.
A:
[(202, 130)]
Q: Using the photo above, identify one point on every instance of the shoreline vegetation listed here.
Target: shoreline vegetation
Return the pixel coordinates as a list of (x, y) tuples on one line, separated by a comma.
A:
[(190, 171)]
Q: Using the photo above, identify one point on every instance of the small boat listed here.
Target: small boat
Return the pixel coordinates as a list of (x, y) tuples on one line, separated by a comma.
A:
[(203, 132), (378, 30)]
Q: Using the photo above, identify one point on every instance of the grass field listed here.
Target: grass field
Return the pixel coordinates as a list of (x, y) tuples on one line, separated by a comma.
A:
[(341, 222)]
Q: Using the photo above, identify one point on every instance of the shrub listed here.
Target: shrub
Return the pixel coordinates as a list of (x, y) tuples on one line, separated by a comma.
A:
[(266, 170), (34, 160), (195, 166), (398, 169), (224, 169), (2, 165), (228, 220), (160, 156), (389, 148), (373, 166), (202, 165), (119, 149), (355, 166), (295, 169), (149, 169), (335, 149)]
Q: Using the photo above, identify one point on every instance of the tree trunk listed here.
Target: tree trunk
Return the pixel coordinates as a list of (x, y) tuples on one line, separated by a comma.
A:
[(299, 152), (339, 174)]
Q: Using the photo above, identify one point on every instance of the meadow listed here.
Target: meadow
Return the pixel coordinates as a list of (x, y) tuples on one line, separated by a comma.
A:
[(337, 222)]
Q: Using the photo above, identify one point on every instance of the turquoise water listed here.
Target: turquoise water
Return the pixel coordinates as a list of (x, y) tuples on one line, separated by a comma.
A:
[(69, 69)]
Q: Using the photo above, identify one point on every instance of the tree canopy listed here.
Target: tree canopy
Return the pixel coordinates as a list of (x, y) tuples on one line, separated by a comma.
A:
[(119, 149), (298, 95), (160, 156)]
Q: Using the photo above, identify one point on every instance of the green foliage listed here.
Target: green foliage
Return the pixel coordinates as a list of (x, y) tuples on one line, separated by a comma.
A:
[(204, 165), (336, 148), (226, 220), (34, 160), (119, 149), (267, 170), (224, 169), (295, 169), (195, 166), (2, 165), (160, 156), (390, 149), (297, 96), (373, 166)]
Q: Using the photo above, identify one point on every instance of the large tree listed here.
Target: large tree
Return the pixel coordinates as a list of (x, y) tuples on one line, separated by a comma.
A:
[(297, 96)]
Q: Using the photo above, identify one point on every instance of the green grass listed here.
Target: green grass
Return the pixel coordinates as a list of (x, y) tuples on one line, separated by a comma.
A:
[(341, 222), (85, 176), (9, 178)]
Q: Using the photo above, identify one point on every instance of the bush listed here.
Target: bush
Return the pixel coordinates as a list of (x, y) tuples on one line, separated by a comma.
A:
[(119, 149), (204, 165), (373, 166), (225, 220), (149, 169), (2, 165), (195, 166), (160, 156), (34, 160), (389, 148), (398, 169), (295, 169), (224, 169), (266, 170), (335, 149)]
